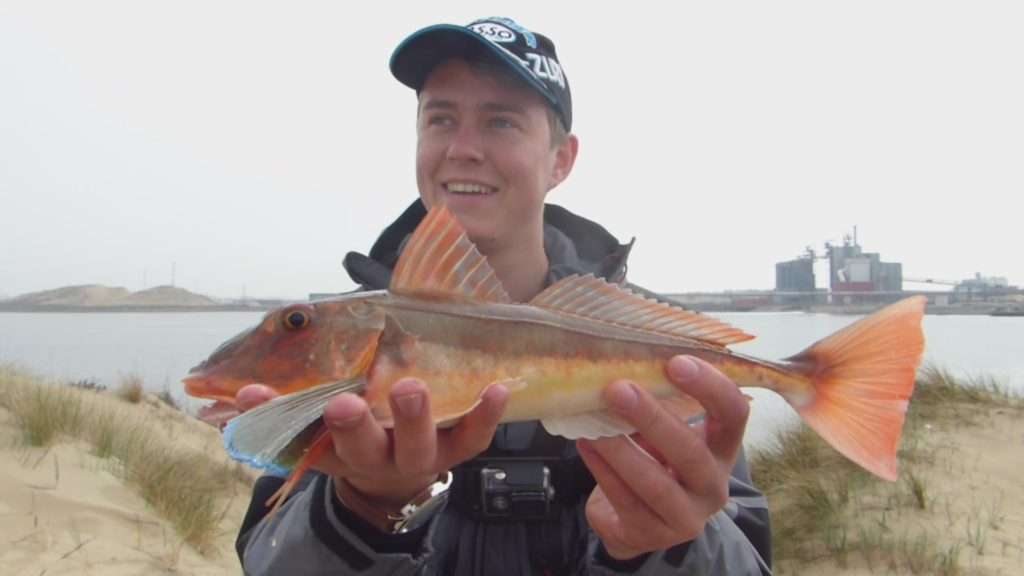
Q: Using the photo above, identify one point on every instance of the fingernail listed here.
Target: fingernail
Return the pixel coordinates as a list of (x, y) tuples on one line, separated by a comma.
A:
[(623, 396), (682, 368), (344, 422), (409, 404)]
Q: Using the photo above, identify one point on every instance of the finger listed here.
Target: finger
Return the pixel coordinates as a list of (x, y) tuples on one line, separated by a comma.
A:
[(657, 487), (727, 408), (632, 514), (253, 395), (361, 445), (473, 434), (415, 445), (668, 436)]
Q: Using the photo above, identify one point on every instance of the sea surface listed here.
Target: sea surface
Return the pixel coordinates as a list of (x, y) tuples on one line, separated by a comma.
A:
[(162, 347)]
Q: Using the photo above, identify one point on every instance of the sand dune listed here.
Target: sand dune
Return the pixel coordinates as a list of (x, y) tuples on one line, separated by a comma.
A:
[(65, 511), (94, 295)]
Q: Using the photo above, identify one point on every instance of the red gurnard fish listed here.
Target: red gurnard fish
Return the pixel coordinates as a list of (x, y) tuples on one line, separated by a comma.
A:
[(447, 320)]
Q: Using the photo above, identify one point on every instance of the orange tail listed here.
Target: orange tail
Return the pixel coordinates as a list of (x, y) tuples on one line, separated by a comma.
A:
[(321, 443), (863, 377)]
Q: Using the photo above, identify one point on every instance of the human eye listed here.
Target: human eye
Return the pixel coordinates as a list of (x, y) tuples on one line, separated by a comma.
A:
[(502, 123), (441, 120)]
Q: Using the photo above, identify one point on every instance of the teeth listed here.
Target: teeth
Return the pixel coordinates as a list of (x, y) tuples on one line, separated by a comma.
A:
[(468, 188)]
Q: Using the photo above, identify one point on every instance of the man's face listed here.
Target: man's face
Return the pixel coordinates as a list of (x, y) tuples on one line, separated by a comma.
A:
[(484, 149)]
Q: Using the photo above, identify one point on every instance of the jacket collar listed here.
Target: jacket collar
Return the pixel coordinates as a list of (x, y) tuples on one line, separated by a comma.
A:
[(574, 245)]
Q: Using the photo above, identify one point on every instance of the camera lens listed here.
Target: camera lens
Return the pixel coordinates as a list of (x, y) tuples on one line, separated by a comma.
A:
[(499, 503)]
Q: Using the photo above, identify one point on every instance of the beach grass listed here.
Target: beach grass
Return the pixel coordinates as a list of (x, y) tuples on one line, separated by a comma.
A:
[(130, 388), (42, 413), (190, 489), (826, 509)]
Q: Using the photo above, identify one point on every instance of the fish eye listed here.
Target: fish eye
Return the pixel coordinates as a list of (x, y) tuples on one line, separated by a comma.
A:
[(296, 319)]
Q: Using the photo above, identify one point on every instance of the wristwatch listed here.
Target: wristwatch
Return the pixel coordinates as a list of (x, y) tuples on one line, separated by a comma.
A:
[(390, 521)]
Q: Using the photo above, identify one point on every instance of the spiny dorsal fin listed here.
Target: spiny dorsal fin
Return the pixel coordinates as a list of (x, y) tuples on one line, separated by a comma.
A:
[(439, 261), (594, 298)]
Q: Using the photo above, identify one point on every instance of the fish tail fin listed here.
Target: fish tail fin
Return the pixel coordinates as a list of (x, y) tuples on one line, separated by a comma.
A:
[(862, 378), (321, 443)]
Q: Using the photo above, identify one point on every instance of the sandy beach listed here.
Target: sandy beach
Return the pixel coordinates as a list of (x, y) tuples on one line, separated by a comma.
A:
[(971, 475), (65, 511)]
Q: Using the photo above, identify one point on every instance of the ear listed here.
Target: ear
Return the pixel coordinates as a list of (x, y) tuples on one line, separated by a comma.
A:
[(565, 159)]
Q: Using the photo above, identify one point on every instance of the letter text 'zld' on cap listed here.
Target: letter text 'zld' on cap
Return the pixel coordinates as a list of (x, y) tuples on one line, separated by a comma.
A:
[(529, 54)]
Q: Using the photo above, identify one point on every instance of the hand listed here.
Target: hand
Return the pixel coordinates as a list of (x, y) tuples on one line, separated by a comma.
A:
[(389, 468), (642, 504)]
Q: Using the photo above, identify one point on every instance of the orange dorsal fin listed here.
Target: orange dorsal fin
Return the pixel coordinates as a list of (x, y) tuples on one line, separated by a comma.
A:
[(439, 261), (596, 299)]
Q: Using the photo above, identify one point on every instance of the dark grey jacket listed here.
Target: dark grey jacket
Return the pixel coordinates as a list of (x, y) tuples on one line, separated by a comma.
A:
[(314, 534)]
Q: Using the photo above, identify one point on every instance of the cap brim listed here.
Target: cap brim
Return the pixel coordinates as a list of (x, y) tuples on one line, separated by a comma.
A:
[(418, 54)]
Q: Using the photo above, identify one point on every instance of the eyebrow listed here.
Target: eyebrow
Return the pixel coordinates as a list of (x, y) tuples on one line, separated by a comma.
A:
[(503, 107), (487, 106), (439, 105)]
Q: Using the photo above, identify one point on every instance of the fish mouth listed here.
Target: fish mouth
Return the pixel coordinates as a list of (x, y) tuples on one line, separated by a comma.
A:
[(201, 386), (218, 414)]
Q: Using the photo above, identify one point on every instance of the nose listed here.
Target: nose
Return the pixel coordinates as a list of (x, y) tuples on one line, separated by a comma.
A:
[(466, 145)]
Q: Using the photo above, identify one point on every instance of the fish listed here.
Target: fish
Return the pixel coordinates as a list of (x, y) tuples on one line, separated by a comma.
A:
[(447, 320)]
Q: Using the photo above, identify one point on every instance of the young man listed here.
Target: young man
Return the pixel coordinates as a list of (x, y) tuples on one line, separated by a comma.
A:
[(494, 137)]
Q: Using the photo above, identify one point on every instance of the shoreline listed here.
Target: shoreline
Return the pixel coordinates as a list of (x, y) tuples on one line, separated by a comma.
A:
[(994, 310), (70, 308)]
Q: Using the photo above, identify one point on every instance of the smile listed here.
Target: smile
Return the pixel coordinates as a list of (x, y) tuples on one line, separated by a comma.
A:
[(469, 189)]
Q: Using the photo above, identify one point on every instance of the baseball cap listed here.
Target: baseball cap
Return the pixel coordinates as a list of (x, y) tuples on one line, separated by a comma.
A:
[(529, 55)]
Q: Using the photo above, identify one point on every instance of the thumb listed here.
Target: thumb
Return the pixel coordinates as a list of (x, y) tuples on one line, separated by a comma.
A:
[(253, 395)]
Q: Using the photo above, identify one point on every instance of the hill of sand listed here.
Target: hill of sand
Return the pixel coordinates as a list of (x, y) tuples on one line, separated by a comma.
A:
[(164, 296), (63, 510), (94, 295), (85, 295)]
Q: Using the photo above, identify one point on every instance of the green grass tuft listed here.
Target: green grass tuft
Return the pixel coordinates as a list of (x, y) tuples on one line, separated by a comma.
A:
[(43, 413), (130, 388), (189, 489)]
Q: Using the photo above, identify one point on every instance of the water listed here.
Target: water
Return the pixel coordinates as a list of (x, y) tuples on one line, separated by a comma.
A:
[(162, 347), (969, 346)]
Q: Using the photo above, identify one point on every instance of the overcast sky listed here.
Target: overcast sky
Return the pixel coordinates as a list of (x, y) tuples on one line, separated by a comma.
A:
[(249, 145)]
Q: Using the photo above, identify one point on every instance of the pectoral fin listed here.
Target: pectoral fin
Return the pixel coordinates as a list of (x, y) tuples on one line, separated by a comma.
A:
[(260, 436)]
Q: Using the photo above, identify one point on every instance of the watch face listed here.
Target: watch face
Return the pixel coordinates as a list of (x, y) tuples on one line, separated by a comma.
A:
[(418, 515)]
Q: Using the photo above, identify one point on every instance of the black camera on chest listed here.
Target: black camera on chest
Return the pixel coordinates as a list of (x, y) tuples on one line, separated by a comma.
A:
[(506, 489), (520, 490)]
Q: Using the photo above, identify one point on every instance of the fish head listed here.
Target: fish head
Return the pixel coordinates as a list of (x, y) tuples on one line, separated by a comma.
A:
[(293, 348)]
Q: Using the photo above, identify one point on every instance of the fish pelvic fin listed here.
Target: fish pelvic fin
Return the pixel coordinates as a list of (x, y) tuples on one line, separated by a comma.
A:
[(441, 262), (601, 424), (321, 444), (590, 425), (863, 377), (596, 299)]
